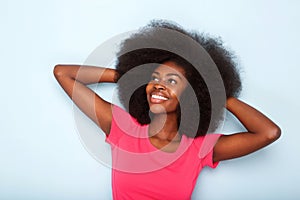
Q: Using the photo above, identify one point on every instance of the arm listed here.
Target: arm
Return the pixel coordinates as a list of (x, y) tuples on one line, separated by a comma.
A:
[(261, 131), (74, 80)]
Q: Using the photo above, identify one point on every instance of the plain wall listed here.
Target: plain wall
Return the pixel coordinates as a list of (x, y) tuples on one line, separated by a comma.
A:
[(41, 153)]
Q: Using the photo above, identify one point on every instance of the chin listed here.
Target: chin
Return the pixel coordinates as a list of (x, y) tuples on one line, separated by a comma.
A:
[(157, 109)]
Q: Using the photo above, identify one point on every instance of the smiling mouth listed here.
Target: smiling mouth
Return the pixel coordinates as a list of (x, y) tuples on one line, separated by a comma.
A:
[(158, 97)]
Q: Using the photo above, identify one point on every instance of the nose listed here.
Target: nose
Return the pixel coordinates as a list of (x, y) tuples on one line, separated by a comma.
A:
[(158, 86)]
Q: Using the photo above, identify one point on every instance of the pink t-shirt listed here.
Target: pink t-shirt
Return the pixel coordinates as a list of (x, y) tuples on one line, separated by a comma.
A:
[(141, 171)]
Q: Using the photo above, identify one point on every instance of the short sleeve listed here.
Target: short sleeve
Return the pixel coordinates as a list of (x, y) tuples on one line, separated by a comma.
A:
[(116, 125), (206, 150), (122, 123)]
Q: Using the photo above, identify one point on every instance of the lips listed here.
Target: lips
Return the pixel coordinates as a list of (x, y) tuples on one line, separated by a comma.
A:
[(158, 98), (154, 96)]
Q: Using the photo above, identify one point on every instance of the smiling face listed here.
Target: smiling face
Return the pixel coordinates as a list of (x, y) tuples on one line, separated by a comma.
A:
[(166, 85)]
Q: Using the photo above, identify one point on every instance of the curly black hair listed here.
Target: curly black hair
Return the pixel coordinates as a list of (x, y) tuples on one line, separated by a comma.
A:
[(198, 54)]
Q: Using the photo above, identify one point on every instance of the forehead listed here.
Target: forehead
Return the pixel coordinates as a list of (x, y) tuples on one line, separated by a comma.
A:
[(170, 67)]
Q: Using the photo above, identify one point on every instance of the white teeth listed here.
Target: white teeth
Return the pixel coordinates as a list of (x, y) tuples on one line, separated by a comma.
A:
[(159, 97)]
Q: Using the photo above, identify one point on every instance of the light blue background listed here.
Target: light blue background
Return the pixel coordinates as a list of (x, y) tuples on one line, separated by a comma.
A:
[(40, 151)]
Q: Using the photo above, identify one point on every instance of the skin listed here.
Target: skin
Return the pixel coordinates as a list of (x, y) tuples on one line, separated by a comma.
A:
[(261, 131), (168, 81)]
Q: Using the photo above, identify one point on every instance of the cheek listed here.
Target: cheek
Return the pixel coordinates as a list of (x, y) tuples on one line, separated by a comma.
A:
[(176, 93), (148, 88)]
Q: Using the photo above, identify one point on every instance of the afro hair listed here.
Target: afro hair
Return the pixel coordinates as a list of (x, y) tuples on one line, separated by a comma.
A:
[(162, 41)]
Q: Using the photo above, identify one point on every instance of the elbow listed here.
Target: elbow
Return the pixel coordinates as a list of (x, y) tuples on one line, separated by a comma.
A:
[(274, 134), (58, 71)]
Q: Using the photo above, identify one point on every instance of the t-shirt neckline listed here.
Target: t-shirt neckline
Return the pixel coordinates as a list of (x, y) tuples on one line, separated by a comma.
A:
[(153, 148)]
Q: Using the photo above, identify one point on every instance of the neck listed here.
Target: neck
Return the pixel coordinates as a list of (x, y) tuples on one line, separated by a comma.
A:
[(164, 127)]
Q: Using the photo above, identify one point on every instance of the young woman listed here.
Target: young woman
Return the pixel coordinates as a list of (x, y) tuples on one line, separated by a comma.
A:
[(161, 140)]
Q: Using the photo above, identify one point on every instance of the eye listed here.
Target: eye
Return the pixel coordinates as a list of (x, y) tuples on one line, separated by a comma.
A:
[(172, 81), (154, 78)]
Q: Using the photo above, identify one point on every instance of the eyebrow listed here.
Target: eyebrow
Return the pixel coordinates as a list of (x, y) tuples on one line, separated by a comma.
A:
[(169, 74)]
